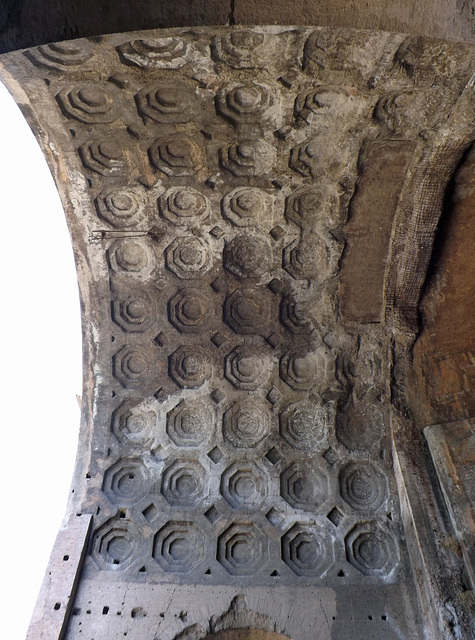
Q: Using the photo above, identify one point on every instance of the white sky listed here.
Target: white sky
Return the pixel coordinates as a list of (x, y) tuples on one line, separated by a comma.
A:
[(40, 367)]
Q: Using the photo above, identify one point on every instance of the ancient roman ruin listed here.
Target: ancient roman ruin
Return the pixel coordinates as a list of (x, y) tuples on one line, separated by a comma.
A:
[(273, 232)]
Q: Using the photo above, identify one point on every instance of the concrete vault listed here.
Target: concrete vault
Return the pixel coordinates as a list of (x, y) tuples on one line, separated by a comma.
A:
[(253, 212)]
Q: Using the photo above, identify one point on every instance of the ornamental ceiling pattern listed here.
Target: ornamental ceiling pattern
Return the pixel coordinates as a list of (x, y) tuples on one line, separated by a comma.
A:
[(237, 396)]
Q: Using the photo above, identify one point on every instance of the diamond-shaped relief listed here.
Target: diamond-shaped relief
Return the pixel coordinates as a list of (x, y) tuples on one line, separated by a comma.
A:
[(168, 101), (243, 485), (184, 483), (132, 365), (242, 549), (247, 311), (136, 313), (274, 396), (215, 454), (122, 207), (190, 311), (151, 513), (155, 53), (371, 549), (178, 546), (105, 157), (335, 516), (116, 544), (89, 103), (190, 423), (275, 516), (133, 425), (248, 158), (363, 485), (304, 425), (177, 156), (247, 256), (304, 486), (126, 482), (307, 550), (189, 366), (187, 257), (212, 514), (183, 206), (273, 456), (246, 206), (245, 424), (246, 368)]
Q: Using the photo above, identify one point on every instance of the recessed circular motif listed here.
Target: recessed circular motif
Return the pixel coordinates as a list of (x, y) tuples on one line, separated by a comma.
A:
[(245, 424), (187, 257), (121, 207), (247, 256), (371, 549), (158, 53), (246, 206), (184, 483), (126, 482), (242, 549), (243, 485), (190, 423), (307, 550), (177, 156), (304, 486), (183, 205), (304, 425), (88, 103), (167, 101), (190, 311), (363, 485), (246, 311), (245, 368), (189, 366), (129, 256), (178, 546)]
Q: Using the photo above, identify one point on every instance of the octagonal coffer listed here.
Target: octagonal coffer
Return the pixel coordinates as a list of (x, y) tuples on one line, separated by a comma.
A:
[(178, 546), (242, 549), (307, 549), (243, 485)]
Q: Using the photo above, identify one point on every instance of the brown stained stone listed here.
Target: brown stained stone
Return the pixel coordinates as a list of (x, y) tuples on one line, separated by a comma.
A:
[(452, 447), (443, 374), (230, 406), (33, 22), (368, 231)]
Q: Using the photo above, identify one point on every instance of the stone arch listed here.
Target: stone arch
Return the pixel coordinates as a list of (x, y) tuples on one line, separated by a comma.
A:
[(245, 427)]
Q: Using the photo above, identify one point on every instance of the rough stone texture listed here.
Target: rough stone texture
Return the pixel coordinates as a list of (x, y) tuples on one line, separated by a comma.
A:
[(27, 23), (452, 448), (241, 436), (446, 345)]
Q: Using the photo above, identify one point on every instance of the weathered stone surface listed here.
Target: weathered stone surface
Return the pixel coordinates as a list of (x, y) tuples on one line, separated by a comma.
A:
[(452, 447), (237, 406), (37, 22)]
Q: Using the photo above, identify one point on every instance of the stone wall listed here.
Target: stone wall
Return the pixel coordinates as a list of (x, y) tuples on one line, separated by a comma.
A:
[(32, 22)]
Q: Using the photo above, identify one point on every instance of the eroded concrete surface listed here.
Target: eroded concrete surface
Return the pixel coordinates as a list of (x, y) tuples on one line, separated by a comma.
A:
[(253, 213)]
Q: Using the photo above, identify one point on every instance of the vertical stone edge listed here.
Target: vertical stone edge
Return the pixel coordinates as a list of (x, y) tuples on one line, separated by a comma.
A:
[(56, 598), (434, 555), (449, 471)]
